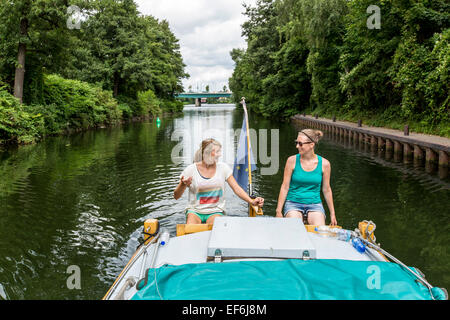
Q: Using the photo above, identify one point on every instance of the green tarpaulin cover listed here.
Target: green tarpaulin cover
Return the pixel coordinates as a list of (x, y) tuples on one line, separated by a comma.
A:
[(282, 280)]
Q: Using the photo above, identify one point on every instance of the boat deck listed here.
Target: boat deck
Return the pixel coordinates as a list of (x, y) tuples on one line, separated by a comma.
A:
[(274, 241), (192, 248)]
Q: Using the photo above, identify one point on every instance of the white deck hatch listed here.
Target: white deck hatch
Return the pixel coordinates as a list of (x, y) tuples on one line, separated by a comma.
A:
[(260, 238)]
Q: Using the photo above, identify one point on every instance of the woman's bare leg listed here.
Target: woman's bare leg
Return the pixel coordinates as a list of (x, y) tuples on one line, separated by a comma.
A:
[(210, 220), (294, 214), (316, 218), (192, 218)]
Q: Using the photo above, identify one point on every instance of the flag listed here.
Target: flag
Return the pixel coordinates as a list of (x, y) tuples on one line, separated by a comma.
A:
[(240, 169)]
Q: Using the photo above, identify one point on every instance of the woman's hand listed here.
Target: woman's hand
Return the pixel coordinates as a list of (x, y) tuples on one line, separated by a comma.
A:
[(258, 201), (187, 182), (278, 214), (333, 220)]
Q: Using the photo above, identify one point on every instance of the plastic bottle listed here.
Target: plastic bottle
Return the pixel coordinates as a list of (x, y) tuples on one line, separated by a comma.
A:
[(342, 234), (323, 231), (165, 236), (339, 234), (358, 245)]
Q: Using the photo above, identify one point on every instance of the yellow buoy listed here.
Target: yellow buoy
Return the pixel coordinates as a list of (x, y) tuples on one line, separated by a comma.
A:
[(151, 228)]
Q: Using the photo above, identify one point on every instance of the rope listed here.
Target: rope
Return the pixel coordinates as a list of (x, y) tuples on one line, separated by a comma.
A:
[(374, 246), (369, 233)]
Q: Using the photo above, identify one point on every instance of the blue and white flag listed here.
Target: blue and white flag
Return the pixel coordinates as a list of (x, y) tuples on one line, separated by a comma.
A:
[(240, 169)]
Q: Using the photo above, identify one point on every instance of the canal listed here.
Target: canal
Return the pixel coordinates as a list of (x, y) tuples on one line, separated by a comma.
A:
[(80, 201)]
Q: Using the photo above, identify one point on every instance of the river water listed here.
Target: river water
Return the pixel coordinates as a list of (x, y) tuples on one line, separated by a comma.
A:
[(76, 204)]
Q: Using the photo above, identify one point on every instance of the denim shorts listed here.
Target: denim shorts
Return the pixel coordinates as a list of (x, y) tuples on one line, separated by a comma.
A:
[(303, 208)]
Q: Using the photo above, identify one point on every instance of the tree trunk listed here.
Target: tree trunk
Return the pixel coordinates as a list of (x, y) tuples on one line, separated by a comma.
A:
[(116, 84), (20, 69)]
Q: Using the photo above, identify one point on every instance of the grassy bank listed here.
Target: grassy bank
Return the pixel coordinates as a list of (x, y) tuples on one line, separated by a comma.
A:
[(72, 105)]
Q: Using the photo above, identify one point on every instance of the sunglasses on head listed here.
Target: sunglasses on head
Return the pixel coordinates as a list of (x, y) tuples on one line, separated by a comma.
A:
[(301, 143)]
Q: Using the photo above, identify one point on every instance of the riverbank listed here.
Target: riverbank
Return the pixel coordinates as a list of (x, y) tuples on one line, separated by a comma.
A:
[(408, 144), (390, 121), (443, 141), (68, 106)]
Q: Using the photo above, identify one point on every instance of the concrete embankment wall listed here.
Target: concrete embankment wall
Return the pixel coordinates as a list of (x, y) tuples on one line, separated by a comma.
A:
[(431, 152)]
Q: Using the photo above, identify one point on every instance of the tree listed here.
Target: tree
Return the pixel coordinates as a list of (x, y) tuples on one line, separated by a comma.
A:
[(127, 52), (34, 36), (256, 63)]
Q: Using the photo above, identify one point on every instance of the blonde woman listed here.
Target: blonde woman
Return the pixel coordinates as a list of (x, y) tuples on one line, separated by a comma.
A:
[(305, 174), (205, 179)]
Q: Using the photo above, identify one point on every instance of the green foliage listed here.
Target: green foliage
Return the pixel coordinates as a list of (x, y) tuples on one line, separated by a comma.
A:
[(126, 111), (319, 56), (68, 105), (421, 71), (127, 52), (172, 105), (120, 64), (16, 124), (290, 86), (80, 105), (256, 63), (148, 104)]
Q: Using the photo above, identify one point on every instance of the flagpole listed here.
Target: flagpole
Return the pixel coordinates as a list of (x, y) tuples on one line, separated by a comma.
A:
[(248, 147)]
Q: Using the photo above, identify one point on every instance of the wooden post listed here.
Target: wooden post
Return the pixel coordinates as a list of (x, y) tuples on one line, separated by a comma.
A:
[(373, 144), (430, 155), (397, 151), (443, 172), (381, 143), (418, 156), (407, 153), (443, 159), (397, 147), (373, 140), (430, 160), (418, 153), (389, 145), (406, 130)]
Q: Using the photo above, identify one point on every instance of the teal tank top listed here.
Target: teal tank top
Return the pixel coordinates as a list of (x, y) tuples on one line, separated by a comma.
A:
[(305, 185)]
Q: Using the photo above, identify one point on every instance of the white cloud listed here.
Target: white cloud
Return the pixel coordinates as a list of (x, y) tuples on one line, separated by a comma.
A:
[(208, 31)]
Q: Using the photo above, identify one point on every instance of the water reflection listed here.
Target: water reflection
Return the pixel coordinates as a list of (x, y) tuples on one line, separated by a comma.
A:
[(199, 123)]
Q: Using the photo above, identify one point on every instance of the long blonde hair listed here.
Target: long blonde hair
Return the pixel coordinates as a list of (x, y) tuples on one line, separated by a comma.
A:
[(312, 134), (206, 147)]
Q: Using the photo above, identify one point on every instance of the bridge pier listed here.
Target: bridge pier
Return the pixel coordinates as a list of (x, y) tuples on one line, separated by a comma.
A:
[(198, 102)]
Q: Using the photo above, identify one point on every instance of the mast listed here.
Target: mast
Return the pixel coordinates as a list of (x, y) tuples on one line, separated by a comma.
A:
[(250, 189)]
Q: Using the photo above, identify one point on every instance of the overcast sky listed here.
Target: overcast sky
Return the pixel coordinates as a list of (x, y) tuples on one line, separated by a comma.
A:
[(207, 31)]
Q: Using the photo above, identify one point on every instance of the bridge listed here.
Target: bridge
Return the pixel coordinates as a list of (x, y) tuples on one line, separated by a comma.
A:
[(198, 95)]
